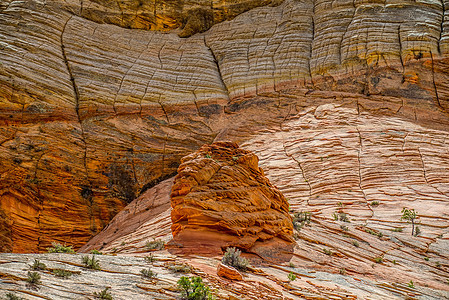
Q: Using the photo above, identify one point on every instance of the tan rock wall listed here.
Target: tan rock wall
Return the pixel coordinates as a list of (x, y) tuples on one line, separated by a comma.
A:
[(85, 106)]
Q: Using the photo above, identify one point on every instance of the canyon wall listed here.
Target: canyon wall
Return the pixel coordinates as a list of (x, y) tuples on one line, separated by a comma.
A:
[(93, 111)]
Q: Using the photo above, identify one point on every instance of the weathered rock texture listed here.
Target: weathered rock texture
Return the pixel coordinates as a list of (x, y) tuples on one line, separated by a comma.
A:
[(221, 198), (93, 114), (122, 275)]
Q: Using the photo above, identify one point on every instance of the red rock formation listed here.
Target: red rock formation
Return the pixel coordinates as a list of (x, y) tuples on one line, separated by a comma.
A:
[(92, 113), (221, 198)]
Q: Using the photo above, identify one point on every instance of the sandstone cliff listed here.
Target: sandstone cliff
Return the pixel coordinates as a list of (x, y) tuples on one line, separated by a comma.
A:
[(92, 114)]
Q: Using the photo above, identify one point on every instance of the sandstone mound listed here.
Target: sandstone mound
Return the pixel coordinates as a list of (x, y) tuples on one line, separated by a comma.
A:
[(221, 198)]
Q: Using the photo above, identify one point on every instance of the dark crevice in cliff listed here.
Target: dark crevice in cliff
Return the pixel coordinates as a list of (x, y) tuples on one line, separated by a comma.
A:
[(311, 44), (400, 52), (344, 33), (441, 26), (437, 98), (220, 76), (77, 98)]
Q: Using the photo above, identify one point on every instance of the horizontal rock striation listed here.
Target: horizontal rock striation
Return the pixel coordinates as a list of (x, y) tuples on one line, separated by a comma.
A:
[(220, 198), (93, 114)]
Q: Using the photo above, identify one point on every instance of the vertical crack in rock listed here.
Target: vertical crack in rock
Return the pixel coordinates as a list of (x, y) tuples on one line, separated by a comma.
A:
[(437, 98), (302, 171), (77, 99), (126, 74), (400, 52), (163, 108), (311, 44), (344, 33), (220, 75), (359, 153), (441, 27)]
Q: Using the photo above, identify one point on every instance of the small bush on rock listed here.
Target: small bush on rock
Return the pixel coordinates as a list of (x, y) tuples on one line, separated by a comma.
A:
[(58, 248), (104, 294), (37, 265), (90, 262), (148, 273), (33, 278), (194, 289), (232, 258), (155, 245)]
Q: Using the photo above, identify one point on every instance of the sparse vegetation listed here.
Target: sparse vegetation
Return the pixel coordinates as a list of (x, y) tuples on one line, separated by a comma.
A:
[(426, 258), (155, 244), (148, 273), (150, 258), (291, 265), (417, 231), (291, 276), (378, 260), (411, 284), (343, 271), (438, 264), (399, 229), (95, 251), (375, 203), (58, 248), (410, 216), (232, 258), (33, 277), (11, 296), (104, 294), (300, 219), (62, 273), (327, 252), (90, 262), (344, 228), (180, 268), (37, 265), (355, 243), (372, 232), (194, 289), (340, 216)]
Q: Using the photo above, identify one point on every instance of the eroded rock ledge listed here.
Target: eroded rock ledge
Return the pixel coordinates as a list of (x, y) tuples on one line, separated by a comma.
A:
[(221, 198)]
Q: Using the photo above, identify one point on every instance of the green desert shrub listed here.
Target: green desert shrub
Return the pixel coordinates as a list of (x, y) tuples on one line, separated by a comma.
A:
[(180, 268), (291, 276), (33, 277), (155, 244), (11, 296), (62, 273), (194, 289), (95, 251), (148, 273), (90, 262), (58, 248), (300, 219), (232, 258), (38, 266), (104, 294)]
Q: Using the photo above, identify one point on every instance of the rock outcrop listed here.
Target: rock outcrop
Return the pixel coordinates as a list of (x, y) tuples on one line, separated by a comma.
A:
[(221, 198), (93, 114)]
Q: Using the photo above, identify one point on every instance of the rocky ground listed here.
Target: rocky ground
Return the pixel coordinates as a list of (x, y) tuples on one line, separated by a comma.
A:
[(122, 275)]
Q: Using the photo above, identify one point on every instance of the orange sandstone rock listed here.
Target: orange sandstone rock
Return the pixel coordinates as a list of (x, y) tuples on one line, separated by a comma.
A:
[(221, 198), (228, 272)]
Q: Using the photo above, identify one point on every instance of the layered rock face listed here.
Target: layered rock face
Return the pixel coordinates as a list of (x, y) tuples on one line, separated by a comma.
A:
[(220, 198), (93, 114)]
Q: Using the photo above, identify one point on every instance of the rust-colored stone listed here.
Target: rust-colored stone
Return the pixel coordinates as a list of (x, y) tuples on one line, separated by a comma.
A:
[(221, 198), (228, 272)]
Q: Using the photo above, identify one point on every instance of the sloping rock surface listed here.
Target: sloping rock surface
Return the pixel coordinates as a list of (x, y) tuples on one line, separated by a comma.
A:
[(93, 114), (221, 198)]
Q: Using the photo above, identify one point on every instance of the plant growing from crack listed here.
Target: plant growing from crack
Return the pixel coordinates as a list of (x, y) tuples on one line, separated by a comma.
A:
[(291, 276), (90, 262), (410, 215)]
